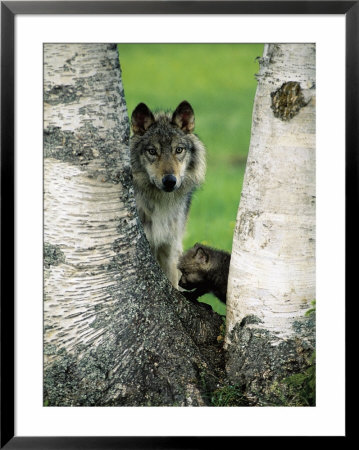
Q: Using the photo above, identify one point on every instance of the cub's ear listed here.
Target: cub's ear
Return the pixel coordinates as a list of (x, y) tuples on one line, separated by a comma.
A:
[(141, 118), (201, 255), (183, 117)]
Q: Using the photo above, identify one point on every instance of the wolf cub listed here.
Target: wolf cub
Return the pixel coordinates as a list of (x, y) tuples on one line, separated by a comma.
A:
[(168, 164), (204, 269)]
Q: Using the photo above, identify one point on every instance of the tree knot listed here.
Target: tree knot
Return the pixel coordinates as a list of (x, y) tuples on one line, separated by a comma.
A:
[(288, 100)]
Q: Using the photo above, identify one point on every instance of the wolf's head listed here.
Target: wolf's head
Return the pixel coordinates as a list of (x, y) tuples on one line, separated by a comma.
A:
[(194, 266), (165, 153)]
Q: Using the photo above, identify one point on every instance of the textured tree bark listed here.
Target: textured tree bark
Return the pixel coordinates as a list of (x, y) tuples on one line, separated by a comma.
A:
[(272, 272), (115, 331)]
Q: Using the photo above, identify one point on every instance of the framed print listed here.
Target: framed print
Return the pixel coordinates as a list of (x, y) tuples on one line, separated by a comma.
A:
[(132, 283)]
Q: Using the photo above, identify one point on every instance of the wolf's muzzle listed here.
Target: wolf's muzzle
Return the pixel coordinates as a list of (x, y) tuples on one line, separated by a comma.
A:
[(169, 182)]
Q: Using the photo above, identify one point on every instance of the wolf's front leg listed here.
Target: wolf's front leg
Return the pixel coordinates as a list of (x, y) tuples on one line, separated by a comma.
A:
[(167, 256)]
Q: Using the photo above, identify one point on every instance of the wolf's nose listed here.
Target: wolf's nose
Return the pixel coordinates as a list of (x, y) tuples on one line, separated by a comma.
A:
[(169, 182)]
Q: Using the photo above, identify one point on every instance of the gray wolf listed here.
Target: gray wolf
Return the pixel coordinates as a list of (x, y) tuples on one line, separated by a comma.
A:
[(168, 163), (204, 269)]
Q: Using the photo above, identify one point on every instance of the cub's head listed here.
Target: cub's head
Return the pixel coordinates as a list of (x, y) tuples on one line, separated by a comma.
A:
[(164, 148), (194, 265)]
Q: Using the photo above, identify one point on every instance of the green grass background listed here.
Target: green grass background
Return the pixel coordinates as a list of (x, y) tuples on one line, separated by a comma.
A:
[(218, 80)]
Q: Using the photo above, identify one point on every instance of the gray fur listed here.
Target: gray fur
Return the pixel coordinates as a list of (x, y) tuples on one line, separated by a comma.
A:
[(205, 269), (164, 214)]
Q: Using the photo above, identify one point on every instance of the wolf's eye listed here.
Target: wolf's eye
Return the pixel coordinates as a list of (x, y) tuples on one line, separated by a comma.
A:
[(151, 151), (179, 150)]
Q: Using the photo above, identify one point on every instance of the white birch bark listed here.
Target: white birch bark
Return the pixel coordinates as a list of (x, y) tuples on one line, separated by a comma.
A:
[(115, 331), (82, 208), (272, 272)]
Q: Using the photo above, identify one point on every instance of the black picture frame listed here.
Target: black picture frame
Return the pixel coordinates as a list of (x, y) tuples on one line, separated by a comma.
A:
[(9, 9)]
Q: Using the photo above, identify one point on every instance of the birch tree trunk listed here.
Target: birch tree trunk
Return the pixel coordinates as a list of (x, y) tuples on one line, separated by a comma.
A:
[(115, 331), (272, 272)]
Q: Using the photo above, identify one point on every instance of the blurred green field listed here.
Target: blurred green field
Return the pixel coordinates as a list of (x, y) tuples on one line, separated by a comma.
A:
[(218, 80)]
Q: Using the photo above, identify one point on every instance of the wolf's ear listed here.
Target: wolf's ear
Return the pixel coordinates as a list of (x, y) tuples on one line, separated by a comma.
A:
[(183, 117), (201, 255), (141, 118)]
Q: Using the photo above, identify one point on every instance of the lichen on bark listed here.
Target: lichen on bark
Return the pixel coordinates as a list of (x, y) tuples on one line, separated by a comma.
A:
[(53, 255), (260, 362)]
